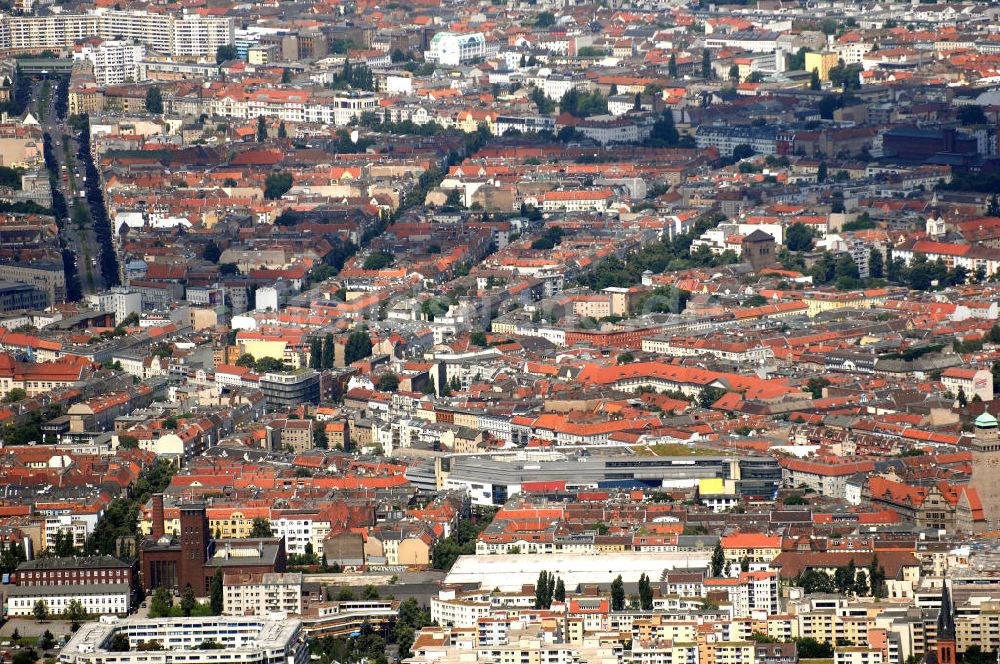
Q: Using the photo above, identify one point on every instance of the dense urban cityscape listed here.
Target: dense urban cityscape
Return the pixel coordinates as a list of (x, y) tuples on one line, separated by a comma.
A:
[(614, 331)]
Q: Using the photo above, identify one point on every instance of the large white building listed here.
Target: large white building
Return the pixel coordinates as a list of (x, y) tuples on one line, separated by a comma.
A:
[(170, 34), (451, 48), (122, 301), (115, 62), (244, 640), (514, 571), (99, 599), (261, 594)]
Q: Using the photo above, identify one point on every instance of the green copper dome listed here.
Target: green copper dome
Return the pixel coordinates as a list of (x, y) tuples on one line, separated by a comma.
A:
[(986, 421)]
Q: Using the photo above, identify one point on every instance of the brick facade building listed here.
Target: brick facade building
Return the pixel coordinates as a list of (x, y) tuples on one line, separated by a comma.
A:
[(193, 557)]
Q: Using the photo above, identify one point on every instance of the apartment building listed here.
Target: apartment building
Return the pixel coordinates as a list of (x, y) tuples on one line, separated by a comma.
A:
[(47, 277), (450, 48), (261, 594), (20, 297), (191, 35), (762, 140), (115, 61)]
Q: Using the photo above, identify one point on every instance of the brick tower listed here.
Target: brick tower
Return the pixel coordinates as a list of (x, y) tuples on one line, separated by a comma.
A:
[(195, 543)]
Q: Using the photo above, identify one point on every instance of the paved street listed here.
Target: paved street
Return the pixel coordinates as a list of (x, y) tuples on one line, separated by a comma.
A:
[(81, 241)]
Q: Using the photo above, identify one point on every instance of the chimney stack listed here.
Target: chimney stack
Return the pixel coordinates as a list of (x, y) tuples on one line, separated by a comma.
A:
[(158, 516)]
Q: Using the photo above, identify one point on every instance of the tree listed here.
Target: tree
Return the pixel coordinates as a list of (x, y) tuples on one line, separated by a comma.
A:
[(215, 593), (378, 261), (672, 66), (188, 601), (810, 648), (664, 132), (540, 589), (246, 360), (211, 252), (282, 132), (718, 559), (40, 610), (64, 545), (583, 104), (266, 364), (821, 172), (993, 208), (154, 100), (286, 75), (846, 267), (358, 347), (972, 115), (161, 603), (645, 593), (734, 73), (277, 185), (963, 400), (861, 587), (844, 577), (814, 82), (709, 395), (261, 129), (329, 352), (545, 19), (545, 105), (261, 527), (743, 151), (799, 238), (75, 612), (25, 656), (560, 592), (224, 53), (706, 64), (47, 640), (837, 203), (316, 353), (369, 592), (478, 338), (876, 578), (875, 264), (815, 386), (958, 275), (617, 594), (388, 383), (14, 395), (149, 646), (11, 556)]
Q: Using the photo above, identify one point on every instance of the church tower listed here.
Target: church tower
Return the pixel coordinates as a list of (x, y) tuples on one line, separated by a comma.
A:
[(946, 629), (934, 225), (986, 465)]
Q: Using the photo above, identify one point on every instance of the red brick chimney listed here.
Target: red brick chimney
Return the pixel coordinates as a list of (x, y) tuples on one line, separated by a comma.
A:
[(157, 516)]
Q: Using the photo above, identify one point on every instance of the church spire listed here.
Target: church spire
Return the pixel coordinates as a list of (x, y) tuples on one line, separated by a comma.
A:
[(946, 629), (946, 617)]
